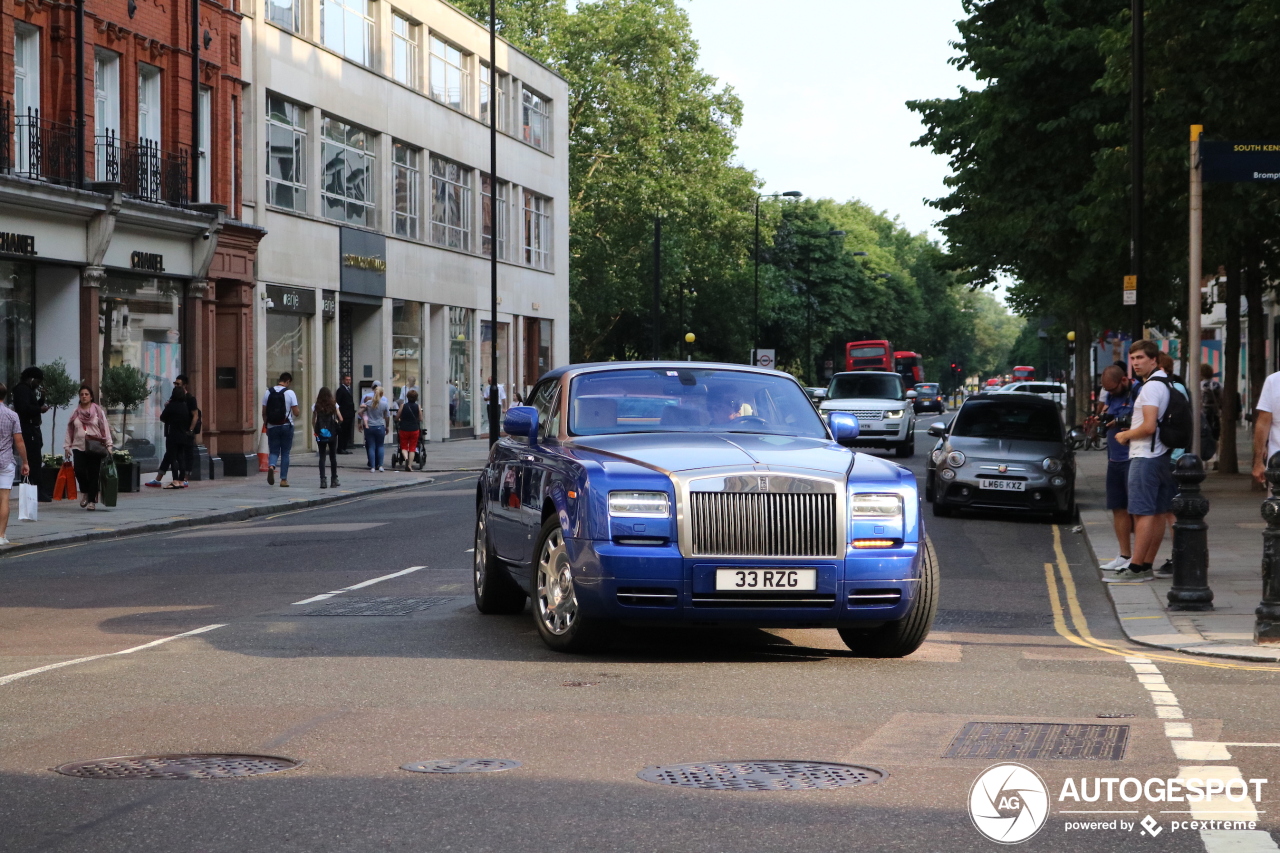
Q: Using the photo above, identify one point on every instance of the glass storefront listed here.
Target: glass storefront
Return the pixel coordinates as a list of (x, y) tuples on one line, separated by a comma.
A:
[(406, 348), (289, 351), (461, 344), (140, 325), (486, 368), (17, 319)]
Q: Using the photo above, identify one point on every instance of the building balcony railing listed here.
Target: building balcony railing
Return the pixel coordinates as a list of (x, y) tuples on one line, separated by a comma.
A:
[(36, 148), (143, 170)]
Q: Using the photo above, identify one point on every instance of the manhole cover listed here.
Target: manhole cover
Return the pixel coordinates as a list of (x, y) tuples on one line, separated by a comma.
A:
[(762, 775), (461, 765), (387, 606), (201, 766), (1015, 741)]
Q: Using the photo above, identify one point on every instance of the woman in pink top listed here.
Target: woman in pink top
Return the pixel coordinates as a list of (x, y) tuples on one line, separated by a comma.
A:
[(87, 424)]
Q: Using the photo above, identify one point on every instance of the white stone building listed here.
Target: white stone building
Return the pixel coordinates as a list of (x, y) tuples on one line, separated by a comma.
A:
[(366, 160)]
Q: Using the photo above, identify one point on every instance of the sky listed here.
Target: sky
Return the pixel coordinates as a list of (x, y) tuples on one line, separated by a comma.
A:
[(824, 85)]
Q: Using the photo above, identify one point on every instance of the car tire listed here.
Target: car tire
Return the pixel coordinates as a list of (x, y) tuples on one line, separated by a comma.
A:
[(907, 449), (1068, 515), (928, 487), (495, 591), (556, 613), (902, 637)]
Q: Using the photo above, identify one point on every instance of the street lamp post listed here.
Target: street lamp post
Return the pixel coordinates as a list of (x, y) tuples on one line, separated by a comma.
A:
[(808, 326), (755, 320)]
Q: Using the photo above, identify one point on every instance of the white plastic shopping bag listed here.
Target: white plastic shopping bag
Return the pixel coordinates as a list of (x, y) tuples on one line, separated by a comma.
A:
[(28, 502)]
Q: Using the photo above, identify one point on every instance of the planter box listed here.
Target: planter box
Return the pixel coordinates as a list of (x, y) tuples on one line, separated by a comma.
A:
[(130, 474), (45, 478)]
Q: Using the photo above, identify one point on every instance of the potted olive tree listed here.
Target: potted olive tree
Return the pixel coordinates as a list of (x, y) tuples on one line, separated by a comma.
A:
[(125, 386)]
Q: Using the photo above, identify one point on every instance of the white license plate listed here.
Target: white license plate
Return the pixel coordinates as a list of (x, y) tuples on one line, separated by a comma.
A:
[(1003, 485), (775, 580)]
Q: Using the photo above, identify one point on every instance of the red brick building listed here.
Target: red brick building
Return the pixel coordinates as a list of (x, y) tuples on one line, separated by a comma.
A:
[(119, 212)]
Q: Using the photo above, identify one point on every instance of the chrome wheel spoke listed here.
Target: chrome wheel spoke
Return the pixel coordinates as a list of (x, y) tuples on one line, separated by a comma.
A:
[(557, 605)]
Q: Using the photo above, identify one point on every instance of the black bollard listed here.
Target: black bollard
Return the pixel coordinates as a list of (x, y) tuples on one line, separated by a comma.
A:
[(1190, 539), (1266, 625)]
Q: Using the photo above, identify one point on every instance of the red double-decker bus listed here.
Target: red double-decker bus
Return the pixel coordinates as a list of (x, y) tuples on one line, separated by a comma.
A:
[(868, 355), (1023, 372), (909, 367)]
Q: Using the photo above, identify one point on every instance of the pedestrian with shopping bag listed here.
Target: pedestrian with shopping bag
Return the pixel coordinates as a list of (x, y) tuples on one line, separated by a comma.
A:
[(13, 455), (87, 444), (64, 487), (179, 439), (327, 424)]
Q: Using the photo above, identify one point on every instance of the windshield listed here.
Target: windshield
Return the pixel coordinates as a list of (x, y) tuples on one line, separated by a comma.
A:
[(1003, 418), (866, 352), (926, 388), (861, 386), (690, 399)]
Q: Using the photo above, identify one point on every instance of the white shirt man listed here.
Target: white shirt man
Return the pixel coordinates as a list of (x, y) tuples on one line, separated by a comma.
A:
[(1150, 394), (1266, 427)]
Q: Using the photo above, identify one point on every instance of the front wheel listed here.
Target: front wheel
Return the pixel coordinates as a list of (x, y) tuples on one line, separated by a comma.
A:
[(555, 600), (901, 638), (907, 449), (495, 591), (928, 487)]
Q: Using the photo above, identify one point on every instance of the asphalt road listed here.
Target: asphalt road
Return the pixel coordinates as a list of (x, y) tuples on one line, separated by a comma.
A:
[(1025, 634)]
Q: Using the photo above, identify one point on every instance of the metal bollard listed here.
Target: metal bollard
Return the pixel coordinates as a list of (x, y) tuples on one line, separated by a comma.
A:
[(1190, 539), (1266, 625)]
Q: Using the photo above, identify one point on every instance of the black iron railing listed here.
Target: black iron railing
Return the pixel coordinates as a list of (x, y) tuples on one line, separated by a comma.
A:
[(143, 170), (36, 148)]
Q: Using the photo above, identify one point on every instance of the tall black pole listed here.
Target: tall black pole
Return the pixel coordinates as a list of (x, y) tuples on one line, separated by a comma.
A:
[(1137, 159), (755, 317), (195, 102), (657, 287), (79, 93), (495, 407)]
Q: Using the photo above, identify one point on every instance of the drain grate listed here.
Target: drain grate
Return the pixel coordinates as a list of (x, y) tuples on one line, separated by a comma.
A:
[(762, 775), (1050, 741), (461, 765), (387, 606), (198, 766)]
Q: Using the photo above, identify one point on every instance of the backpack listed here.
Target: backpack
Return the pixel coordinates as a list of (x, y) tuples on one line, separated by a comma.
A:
[(326, 426), (1174, 428), (277, 409)]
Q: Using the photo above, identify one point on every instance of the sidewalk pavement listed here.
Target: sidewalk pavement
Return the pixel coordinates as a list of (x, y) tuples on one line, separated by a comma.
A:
[(1235, 566), (468, 454), (228, 499)]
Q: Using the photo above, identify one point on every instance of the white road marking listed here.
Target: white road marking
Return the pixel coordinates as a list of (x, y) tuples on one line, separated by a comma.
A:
[(8, 678), (336, 527), (362, 585)]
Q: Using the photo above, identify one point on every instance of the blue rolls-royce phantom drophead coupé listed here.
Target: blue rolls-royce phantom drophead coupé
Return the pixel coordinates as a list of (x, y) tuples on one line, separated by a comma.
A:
[(681, 492)]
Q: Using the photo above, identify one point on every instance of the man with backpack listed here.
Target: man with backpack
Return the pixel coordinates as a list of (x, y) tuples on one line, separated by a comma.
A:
[(279, 408), (1161, 423)]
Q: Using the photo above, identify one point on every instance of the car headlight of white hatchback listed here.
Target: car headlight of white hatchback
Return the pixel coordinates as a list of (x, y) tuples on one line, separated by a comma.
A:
[(875, 506), (639, 505)]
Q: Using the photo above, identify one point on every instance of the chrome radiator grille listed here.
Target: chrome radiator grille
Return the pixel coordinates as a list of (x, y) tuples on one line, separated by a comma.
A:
[(763, 524)]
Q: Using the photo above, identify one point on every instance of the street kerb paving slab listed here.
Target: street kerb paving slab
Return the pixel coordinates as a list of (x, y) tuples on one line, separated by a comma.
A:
[(204, 502), (1235, 567)]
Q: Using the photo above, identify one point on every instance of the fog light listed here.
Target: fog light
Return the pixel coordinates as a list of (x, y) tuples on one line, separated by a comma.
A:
[(947, 474), (1059, 481), (873, 543), (1035, 496)]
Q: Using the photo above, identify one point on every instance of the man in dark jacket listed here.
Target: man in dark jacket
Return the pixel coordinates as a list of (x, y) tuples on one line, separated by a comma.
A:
[(347, 408), (29, 403)]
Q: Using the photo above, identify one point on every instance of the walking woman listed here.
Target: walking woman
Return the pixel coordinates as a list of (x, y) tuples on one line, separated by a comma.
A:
[(87, 444), (375, 413), (410, 428), (179, 441), (326, 422)]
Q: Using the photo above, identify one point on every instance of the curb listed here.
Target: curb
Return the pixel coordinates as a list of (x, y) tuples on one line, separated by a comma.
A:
[(1201, 647), (202, 521)]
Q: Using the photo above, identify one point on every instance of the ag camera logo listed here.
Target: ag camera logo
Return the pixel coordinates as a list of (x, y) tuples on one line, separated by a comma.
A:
[(1009, 803)]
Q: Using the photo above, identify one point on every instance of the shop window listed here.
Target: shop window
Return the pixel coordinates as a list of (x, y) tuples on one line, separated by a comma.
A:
[(140, 324), (17, 320), (486, 368), (407, 180), (406, 350), (536, 114), (495, 212), (349, 173), (449, 77), (537, 231), (286, 154), (289, 351), (460, 356), (450, 204)]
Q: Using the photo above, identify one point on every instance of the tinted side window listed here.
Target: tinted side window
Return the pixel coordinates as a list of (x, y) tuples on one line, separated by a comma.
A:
[(546, 399)]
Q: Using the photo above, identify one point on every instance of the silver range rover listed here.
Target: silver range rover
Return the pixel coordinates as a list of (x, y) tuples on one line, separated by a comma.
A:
[(882, 405)]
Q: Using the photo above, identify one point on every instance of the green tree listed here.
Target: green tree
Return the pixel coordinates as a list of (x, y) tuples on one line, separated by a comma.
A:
[(125, 386), (59, 388)]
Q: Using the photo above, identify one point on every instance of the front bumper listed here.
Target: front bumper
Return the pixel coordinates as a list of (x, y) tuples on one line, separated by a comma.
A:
[(1039, 494), (648, 584)]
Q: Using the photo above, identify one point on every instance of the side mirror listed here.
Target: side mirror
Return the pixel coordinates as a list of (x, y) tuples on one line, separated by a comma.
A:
[(521, 420), (820, 394), (937, 429), (911, 395), (844, 427)]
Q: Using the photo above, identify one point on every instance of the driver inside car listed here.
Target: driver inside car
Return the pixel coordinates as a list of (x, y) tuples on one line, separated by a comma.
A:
[(725, 406)]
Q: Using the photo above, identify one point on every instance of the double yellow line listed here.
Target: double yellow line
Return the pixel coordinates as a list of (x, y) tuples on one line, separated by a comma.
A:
[(1081, 635)]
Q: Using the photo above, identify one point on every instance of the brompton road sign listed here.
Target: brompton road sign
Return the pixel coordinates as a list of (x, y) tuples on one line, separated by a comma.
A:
[(1236, 162)]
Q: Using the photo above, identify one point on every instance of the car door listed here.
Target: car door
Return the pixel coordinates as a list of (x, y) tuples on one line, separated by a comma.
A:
[(534, 468), (506, 529)]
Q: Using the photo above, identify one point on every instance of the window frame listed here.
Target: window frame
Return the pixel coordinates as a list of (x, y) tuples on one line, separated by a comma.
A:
[(294, 19), (411, 216), (300, 141), (536, 249), (331, 145), (541, 109), (443, 230), (441, 58), (497, 207), (348, 12), (411, 40)]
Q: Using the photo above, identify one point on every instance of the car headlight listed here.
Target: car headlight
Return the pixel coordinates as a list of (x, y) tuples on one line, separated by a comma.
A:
[(639, 504), (947, 474), (1051, 465), (896, 413), (937, 456), (875, 506), (955, 459)]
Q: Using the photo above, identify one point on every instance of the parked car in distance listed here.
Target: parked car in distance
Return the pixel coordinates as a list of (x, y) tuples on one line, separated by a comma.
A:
[(929, 398), (1054, 391), (991, 384), (882, 405), (816, 395), (712, 494), (1003, 452)]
